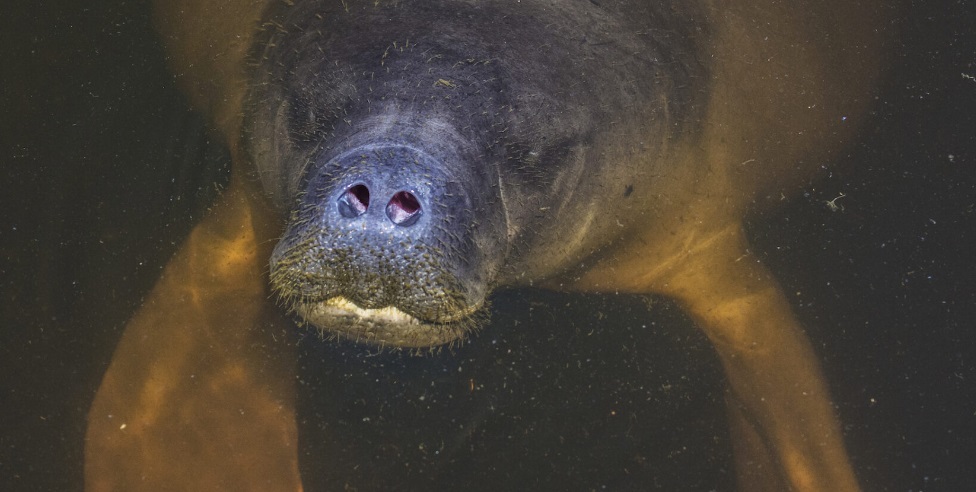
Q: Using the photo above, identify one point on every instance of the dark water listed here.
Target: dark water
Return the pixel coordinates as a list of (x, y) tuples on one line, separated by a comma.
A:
[(104, 170)]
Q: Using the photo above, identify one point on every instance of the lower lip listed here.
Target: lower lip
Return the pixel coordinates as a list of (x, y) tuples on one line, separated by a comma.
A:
[(340, 307)]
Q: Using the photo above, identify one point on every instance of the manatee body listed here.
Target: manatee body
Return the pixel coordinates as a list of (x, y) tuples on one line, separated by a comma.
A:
[(471, 145), (411, 156)]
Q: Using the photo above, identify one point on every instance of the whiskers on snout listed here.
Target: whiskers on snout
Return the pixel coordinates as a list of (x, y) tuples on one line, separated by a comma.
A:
[(387, 326), (328, 289)]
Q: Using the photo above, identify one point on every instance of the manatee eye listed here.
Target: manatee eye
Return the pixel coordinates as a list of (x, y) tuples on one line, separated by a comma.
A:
[(354, 201)]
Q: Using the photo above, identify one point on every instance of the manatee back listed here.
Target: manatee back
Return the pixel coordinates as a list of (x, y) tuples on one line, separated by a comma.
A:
[(790, 83)]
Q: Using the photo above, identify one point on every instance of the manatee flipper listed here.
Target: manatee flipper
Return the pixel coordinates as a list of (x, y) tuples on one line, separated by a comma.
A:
[(779, 407), (199, 392)]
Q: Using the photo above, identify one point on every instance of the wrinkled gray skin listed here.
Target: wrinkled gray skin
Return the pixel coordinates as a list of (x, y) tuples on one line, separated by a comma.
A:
[(425, 152), (426, 155)]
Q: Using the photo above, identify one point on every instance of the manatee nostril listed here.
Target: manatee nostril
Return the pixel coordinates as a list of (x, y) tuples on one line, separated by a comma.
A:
[(403, 209), (354, 201)]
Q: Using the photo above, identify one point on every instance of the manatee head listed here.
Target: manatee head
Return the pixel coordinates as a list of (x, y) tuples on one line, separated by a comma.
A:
[(426, 152), (390, 245)]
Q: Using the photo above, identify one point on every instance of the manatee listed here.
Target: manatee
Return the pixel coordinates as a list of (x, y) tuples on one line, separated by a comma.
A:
[(395, 162)]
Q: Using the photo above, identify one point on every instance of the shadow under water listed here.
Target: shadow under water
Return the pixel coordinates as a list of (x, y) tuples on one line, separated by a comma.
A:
[(558, 392)]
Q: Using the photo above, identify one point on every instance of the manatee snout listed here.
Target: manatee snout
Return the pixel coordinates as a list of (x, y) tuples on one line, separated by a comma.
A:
[(383, 249)]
